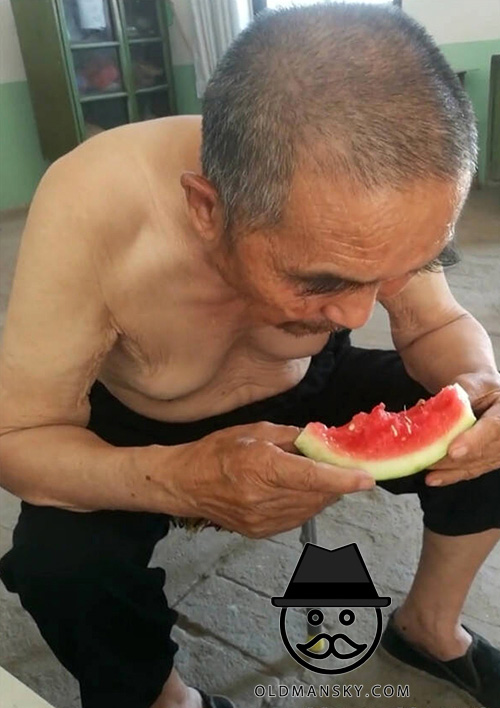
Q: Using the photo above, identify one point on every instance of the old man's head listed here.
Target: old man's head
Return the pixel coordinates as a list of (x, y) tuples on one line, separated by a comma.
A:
[(338, 147)]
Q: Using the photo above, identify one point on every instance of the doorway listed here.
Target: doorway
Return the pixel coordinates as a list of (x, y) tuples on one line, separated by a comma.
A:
[(493, 173)]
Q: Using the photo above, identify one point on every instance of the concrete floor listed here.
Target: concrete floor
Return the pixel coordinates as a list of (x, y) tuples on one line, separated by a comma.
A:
[(220, 583)]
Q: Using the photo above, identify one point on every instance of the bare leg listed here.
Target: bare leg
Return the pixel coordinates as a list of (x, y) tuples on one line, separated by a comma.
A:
[(176, 694), (430, 615)]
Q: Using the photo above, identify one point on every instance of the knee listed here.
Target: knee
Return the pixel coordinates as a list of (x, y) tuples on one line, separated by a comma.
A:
[(65, 574), (28, 570), (48, 551)]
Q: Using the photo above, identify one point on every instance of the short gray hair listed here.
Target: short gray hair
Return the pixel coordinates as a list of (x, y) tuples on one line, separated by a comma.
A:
[(357, 91)]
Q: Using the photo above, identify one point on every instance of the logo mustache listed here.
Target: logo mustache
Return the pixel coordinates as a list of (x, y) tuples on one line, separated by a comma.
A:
[(305, 648)]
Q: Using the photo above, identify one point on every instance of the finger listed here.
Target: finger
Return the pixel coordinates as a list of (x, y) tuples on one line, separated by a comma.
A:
[(305, 475), (280, 435), (288, 446), (473, 442), (443, 478), (445, 463)]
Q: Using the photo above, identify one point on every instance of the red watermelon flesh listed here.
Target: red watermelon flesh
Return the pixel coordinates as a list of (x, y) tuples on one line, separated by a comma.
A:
[(391, 445)]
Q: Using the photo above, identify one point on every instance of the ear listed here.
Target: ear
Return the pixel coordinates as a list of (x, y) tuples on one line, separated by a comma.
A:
[(204, 205)]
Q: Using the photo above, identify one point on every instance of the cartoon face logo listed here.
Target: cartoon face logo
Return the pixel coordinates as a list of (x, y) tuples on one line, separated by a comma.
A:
[(315, 618), (339, 580), (317, 652)]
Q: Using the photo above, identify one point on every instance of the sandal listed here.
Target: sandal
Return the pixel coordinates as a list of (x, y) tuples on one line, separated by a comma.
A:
[(477, 672)]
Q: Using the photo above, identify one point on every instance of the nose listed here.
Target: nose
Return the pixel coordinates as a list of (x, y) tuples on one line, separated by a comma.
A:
[(352, 310)]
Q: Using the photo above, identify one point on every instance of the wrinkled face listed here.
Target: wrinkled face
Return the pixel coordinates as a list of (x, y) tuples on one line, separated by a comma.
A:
[(338, 250)]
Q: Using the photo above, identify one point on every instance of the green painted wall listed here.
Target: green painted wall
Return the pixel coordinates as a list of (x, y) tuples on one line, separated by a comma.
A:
[(21, 161), (185, 90), (475, 58)]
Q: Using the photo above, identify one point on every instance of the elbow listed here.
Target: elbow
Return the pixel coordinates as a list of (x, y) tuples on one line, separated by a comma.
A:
[(403, 343)]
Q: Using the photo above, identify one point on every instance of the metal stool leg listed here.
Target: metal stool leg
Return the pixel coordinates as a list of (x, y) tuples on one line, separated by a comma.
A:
[(309, 534)]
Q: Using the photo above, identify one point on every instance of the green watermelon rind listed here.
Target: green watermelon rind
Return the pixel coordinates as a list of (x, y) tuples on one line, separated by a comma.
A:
[(393, 467)]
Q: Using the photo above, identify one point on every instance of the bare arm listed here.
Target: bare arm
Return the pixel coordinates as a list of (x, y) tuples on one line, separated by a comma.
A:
[(438, 340), (441, 343), (57, 332)]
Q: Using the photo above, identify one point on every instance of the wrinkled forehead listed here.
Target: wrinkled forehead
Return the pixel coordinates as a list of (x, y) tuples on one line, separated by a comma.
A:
[(384, 228)]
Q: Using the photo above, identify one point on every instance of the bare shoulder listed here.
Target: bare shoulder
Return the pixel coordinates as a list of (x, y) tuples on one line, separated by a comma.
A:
[(110, 188), (100, 178), (123, 171), (86, 241)]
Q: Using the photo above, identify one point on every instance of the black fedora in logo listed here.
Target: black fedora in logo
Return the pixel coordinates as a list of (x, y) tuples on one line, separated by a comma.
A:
[(336, 578)]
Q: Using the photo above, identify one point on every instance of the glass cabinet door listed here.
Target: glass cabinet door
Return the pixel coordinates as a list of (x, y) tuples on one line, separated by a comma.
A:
[(96, 64), (141, 19), (117, 56), (97, 71), (146, 45), (88, 21), (147, 65), (102, 115), (154, 104)]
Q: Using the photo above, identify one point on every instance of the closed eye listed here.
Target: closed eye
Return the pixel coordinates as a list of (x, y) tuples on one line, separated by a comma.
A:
[(325, 285)]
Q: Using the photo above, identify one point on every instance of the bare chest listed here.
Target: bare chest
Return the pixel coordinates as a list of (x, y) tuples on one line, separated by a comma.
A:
[(183, 352), (187, 362)]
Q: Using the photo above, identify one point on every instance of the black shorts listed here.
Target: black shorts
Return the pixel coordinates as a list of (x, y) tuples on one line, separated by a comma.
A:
[(341, 381), (85, 577)]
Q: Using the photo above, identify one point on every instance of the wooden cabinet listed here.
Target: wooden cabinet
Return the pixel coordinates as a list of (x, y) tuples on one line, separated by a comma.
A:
[(92, 65)]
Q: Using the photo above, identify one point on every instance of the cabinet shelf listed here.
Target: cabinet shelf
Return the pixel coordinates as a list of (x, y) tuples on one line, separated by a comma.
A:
[(152, 89), (144, 40), (93, 45), (103, 96)]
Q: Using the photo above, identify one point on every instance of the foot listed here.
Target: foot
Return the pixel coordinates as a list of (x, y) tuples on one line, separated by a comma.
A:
[(194, 699), (477, 672), (176, 694), (190, 699), (441, 643)]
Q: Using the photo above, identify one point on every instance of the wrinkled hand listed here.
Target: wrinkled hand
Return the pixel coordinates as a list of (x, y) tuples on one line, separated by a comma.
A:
[(476, 451), (247, 479)]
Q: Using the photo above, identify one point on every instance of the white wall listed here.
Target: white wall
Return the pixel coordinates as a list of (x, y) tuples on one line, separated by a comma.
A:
[(182, 33), (457, 20), (11, 62), (273, 4)]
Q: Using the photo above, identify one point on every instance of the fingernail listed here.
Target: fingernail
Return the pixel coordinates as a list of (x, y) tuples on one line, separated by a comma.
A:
[(435, 482), (366, 483), (459, 452)]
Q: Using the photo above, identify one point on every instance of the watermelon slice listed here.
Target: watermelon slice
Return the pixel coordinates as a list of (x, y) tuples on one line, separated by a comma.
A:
[(390, 445)]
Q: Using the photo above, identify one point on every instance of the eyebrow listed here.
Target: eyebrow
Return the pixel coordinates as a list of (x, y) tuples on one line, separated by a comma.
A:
[(326, 281)]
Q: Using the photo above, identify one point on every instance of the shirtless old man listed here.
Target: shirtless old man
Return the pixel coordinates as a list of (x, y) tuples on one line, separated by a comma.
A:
[(182, 305)]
